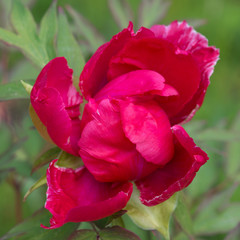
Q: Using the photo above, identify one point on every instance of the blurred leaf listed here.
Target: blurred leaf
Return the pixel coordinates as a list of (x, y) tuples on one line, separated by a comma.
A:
[(224, 135), (30, 229), (69, 161), (217, 215), (68, 47), (46, 158), (182, 215), (23, 70), (118, 233), (22, 20), (14, 90), (87, 30), (150, 218), (36, 185), (121, 12), (84, 234), (48, 29), (39, 125), (24, 24), (233, 152), (221, 222), (234, 234), (28, 87), (236, 195), (182, 236), (10, 38), (151, 12)]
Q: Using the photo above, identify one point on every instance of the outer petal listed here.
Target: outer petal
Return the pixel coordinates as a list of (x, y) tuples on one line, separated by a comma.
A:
[(94, 74), (137, 82), (189, 41), (57, 102), (147, 126), (106, 151), (177, 174), (75, 196)]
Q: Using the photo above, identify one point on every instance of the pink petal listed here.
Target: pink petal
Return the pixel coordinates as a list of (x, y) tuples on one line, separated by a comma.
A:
[(75, 196), (180, 71), (106, 151), (147, 126), (177, 174), (189, 41), (57, 102), (137, 82)]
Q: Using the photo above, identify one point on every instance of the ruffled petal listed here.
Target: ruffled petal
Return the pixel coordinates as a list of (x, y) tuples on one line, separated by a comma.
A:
[(137, 82), (177, 174), (187, 40), (147, 126), (94, 74), (179, 70), (75, 196), (56, 103), (106, 151)]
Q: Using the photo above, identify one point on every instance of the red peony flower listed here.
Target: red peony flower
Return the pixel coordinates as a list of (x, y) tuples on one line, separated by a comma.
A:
[(138, 87)]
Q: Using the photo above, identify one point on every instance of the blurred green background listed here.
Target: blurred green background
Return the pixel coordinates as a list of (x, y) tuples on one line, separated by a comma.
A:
[(215, 127)]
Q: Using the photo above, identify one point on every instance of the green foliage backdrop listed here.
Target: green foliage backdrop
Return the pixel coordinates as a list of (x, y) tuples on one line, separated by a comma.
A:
[(209, 208)]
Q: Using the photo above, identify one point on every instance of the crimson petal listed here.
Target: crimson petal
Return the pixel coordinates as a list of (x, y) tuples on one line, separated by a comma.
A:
[(136, 83), (189, 41), (75, 196), (105, 150), (57, 102), (147, 126), (177, 174)]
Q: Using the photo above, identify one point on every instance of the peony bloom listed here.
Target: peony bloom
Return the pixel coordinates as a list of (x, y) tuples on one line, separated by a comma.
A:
[(138, 87)]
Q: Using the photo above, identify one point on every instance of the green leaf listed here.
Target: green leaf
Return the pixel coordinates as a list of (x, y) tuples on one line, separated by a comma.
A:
[(150, 218), (14, 90), (85, 234), (217, 215), (10, 38), (182, 215), (118, 233), (30, 229), (48, 29), (151, 12), (68, 47), (46, 158), (69, 161), (22, 20), (36, 185), (27, 39), (221, 222), (121, 12), (87, 30)]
